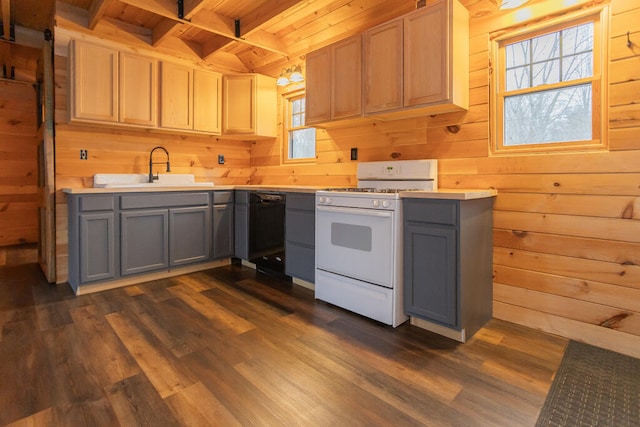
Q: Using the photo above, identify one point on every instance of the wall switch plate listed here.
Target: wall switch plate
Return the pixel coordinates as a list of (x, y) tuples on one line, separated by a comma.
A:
[(354, 154), (221, 159), (84, 154)]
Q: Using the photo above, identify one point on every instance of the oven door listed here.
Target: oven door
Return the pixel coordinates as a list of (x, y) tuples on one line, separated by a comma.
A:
[(356, 243)]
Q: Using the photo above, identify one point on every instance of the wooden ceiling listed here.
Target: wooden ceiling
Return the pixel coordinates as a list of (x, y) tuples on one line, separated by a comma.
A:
[(241, 35)]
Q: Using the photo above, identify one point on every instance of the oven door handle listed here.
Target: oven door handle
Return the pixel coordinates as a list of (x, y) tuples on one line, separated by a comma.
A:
[(353, 211)]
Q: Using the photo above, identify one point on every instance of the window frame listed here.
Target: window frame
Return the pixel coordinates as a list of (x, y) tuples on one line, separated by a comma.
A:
[(287, 99), (598, 80)]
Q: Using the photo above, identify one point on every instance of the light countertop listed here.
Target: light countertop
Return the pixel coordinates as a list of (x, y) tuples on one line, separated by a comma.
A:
[(451, 194)]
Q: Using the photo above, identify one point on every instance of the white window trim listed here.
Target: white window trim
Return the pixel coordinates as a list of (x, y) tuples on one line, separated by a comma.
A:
[(600, 116)]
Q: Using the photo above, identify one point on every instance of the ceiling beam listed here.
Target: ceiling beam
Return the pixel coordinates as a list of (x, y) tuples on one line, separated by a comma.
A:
[(6, 18), (265, 12), (96, 11), (204, 20)]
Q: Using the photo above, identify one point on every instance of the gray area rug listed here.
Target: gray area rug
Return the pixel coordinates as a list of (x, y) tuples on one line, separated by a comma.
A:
[(593, 387)]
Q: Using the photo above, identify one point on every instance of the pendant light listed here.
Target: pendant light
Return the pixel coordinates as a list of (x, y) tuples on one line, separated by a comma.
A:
[(290, 75)]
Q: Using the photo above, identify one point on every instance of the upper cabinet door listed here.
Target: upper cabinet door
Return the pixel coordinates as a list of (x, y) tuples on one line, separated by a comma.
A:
[(383, 67), (93, 82), (176, 96), (426, 55), (346, 78), (207, 101), (318, 86), (249, 106), (240, 104), (138, 89)]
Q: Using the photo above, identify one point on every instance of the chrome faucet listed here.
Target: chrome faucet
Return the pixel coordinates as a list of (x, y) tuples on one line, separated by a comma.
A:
[(153, 177)]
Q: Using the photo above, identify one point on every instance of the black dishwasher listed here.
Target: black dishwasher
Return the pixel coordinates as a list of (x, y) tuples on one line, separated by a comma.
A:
[(266, 231)]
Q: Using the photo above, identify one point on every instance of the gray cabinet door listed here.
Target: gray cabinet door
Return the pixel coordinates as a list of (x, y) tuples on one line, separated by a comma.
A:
[(430, 282), (97, 247), (190, 231), (223, 231), (144, 238)]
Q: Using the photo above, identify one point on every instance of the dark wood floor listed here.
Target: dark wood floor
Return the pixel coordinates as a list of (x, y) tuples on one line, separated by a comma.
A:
[(234, 347)]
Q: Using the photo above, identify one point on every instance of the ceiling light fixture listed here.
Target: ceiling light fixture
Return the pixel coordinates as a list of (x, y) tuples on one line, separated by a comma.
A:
[(290, 75), (511, 4)]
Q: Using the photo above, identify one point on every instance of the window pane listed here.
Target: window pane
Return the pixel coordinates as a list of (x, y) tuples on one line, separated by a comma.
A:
[(518, 78), (518, 54), (545, 73), (577, 39), (559, 115), (545, 47), (295, 106), (577, 66), (295, 121), (302, 143)]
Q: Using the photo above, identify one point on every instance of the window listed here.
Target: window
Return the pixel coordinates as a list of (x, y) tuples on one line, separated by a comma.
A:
[(300, 140), (548, 88)]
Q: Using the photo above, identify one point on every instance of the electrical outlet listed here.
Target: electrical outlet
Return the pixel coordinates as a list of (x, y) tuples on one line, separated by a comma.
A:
[(84, 154), (221, 159), (354, 154)]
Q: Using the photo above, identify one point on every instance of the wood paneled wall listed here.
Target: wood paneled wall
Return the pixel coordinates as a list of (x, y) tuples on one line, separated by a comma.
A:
[(19, 157), (115, 150), (566, 225)]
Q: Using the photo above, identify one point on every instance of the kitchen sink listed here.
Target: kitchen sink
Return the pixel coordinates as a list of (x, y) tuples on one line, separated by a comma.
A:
[(138, 180)]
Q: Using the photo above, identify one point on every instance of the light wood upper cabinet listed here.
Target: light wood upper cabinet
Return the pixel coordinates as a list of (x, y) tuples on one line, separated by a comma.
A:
[(427, 37), (419, 63), (346, 78), (93, 82), (318, 86), (334, 82), (176, 96), (383, 71), (207, 101), (190, 98), (249, 106), (138, 90)]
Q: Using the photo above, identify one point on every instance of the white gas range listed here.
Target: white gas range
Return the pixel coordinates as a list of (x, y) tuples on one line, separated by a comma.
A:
[(359, 238)]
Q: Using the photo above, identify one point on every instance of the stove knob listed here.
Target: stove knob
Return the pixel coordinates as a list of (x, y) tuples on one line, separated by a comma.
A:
[(386, 204), (329, 200), (376, 203), (321, 199)]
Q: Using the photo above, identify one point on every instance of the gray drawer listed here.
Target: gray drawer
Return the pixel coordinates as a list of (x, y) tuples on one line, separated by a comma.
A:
[(162, 200), (433, 211), (222, 197), (97, 203)]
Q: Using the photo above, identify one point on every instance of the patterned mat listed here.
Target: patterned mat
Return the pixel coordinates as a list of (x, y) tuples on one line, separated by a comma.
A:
[(593, 387)]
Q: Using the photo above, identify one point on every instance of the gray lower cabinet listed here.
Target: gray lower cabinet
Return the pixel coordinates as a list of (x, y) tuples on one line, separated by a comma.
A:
[(162, 230), (144, 240), (300, 237), (93, 239), (223, 224), (189, 235), (448, 262)]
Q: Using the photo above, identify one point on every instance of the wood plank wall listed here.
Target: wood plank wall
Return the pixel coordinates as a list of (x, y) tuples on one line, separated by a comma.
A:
[(566, 226), (18, 174), (127, 151)]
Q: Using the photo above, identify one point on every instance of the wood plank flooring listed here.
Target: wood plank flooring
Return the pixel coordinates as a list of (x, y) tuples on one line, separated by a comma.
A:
[(230, 346)]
